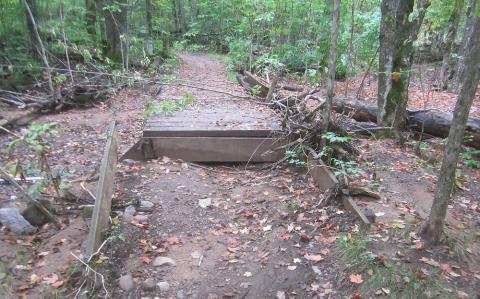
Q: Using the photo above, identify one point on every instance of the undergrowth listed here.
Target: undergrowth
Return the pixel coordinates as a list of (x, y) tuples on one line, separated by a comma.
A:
[(392, 278)]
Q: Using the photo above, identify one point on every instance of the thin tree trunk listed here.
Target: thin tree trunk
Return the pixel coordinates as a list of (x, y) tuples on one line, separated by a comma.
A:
[(470, 18), (453, 21), (31, 27), (397, 34), (434, 228), (62, 17), (40, 47), (350, 62), (149, 41), (91, 18), (116, 30), (181, 16), (331, 67)]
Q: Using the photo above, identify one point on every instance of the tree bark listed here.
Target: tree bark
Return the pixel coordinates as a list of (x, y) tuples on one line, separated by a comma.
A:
[(182, 23), (470, 18), (446, 70), (149, 41), (397, 34), (331, 67), (434, 228), (31, 27), (116, 28), (91, 18)]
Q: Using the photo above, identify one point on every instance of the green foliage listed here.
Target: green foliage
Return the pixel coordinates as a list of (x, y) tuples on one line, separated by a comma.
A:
[(471, 158), (167, 107), (400, 279), (296, 157), (334, 138)]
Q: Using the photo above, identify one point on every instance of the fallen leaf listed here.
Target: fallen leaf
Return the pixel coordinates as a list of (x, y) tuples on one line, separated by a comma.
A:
[(429, 262), (291, 268), (446, 267), (34, 278), (247, 274), (57, 284), (356, 278), (173, 240), (313, 258), (146, 260), (280, 295), (267, 228)]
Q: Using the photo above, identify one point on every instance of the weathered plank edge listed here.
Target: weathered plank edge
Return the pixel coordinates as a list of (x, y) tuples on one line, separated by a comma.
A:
[(325, 179), (105, 190)]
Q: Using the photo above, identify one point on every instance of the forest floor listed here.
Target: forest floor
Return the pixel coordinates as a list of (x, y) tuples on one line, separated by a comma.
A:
[(236, 231)]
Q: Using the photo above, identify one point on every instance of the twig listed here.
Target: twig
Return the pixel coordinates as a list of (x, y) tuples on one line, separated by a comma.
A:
[(107, 295), (30, 199)]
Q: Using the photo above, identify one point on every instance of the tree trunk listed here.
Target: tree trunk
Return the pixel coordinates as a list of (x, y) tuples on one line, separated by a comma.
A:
[(430, 122), (470, 18), (175, 16), (182, 23), (447, 66), (149, 41), (91, 18), (193, 10), (434, 228), (397, 34), (116, 29), (331, 66), (31, 27)]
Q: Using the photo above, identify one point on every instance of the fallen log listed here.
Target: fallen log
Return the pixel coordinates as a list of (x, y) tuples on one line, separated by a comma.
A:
[(431, 122)]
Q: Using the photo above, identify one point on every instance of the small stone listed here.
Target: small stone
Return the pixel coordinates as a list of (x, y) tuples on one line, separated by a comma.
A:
[(141, 218), (180, 295), (163, 260), (163, 286), (205, 202), (34, 215), (145, 206), (149, 284), (130, 210), (126, 282), (129, 161), (370, 214), (87, 212), (14, 221)]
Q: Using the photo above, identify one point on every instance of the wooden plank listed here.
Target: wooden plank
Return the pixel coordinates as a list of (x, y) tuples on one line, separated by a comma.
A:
[(181, 132), (325, 179), (218, 149), (105, 190)]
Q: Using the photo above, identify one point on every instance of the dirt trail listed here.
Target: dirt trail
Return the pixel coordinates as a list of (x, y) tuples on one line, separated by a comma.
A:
[(250, 241)]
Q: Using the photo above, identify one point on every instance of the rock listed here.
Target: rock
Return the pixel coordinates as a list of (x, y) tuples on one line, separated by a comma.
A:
[(149, 284), (205, 202), (129, 161), (180, 295), (163, 286), (129, 212), (141, 218), (163, 260), (126, 282), (33, 214), (145, 206), (87, 212), (14, 221), (370, 214)]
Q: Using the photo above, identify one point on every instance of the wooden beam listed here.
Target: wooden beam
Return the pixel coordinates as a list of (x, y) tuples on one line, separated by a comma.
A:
[(209, 149), (105, 190)]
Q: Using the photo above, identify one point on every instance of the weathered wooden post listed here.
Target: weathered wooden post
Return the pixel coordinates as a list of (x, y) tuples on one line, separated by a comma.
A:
[(105, 190)]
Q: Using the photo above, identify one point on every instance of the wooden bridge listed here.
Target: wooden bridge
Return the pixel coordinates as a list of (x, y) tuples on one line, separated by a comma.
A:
[(227, 131)]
